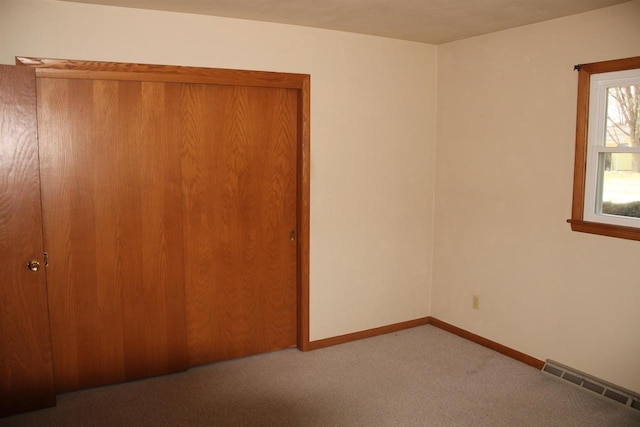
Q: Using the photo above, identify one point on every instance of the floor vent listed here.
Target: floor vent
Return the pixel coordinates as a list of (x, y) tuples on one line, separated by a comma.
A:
[(610, 391)]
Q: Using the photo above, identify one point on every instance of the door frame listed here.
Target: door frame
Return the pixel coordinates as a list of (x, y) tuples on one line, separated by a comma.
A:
[(78, 69)]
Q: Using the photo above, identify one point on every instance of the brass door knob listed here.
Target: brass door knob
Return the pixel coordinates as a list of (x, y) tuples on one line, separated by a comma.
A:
[(33, 265)]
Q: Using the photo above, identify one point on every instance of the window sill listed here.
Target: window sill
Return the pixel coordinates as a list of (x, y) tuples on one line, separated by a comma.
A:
[(622, 232)]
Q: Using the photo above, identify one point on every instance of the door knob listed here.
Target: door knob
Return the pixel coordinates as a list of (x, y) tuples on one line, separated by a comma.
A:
[(33, 265)]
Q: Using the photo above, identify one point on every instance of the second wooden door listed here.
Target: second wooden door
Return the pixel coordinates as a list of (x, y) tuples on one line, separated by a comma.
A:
[(170, 217), (112, 210), (239, 181)]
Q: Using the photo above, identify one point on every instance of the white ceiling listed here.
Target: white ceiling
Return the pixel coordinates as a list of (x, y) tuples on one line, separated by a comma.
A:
[(428, 21)]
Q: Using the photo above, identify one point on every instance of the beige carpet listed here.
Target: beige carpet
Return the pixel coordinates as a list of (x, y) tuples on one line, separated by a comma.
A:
[(418, 377)]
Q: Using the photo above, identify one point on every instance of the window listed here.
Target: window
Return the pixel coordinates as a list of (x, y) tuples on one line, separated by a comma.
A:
[(606, 187)]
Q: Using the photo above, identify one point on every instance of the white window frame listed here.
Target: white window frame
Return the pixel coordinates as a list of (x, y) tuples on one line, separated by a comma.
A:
[(600, 83)]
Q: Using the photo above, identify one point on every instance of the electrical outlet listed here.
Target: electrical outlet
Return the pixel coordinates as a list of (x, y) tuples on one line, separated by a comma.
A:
[(476, 302)]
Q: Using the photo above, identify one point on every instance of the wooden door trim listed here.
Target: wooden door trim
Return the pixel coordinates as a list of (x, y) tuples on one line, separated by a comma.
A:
[(78, 69), (303, 204), (75, 69)]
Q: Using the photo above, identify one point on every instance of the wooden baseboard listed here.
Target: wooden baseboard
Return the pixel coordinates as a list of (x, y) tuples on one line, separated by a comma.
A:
[(514, 354), (342, 339)]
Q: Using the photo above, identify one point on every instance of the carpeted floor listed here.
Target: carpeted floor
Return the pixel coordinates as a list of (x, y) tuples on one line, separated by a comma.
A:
[(418, 377)]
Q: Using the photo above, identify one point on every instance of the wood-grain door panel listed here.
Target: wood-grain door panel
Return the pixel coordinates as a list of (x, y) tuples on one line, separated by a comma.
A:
[(112, 215), (26, 373), (239, 182), (170, 215)]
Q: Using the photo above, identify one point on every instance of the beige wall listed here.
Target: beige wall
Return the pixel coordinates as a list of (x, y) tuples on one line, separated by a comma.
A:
[(372, 136), (506, 116), (506, 128)]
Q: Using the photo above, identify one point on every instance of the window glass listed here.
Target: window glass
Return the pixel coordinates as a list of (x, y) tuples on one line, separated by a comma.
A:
[(620, 188)]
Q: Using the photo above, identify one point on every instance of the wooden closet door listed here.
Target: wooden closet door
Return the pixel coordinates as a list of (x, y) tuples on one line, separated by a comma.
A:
[(239, 182), (112, 200), (26, 375)]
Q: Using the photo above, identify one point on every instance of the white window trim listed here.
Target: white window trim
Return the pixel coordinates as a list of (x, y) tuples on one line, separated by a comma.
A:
[(599, 85)]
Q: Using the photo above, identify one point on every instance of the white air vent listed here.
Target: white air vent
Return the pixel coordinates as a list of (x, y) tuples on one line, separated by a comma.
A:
[(592, 384)]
